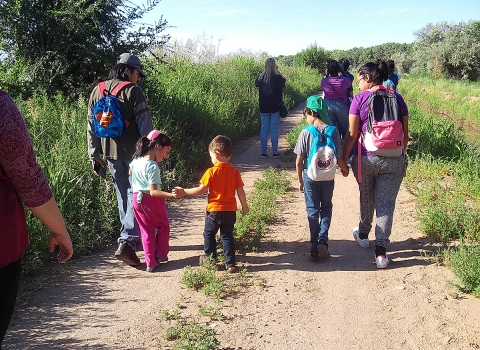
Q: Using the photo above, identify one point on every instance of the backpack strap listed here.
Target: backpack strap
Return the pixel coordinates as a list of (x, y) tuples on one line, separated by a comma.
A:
[(120, 87), (116, 89), (329, 130), (315, 133), (101, 88)]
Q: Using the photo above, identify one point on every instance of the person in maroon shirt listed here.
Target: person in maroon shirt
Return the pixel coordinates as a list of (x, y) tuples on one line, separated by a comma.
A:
[(22, 182)]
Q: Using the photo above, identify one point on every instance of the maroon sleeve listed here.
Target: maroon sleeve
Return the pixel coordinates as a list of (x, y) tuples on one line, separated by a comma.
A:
[(17, 158)]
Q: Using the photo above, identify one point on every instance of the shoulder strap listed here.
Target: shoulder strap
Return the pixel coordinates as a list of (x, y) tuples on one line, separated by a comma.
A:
[(119, 87), (101, 88), (312, 130), (329, 130)]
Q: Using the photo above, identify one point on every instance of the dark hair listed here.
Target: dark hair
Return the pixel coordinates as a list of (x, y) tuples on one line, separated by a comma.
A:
[(221, 145), (345, 63), (311, 112), (390, 66), (378, 71), (333, 68), (144, 145), (118, 72)]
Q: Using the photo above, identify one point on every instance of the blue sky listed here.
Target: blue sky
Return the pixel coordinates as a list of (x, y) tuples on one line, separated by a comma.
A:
[(285, 27)]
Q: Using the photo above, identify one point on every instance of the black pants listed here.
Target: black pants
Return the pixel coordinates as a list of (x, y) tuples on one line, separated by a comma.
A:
[(9, 281)]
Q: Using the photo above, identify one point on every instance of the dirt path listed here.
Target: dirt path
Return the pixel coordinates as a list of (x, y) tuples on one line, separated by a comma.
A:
[(344, 303)]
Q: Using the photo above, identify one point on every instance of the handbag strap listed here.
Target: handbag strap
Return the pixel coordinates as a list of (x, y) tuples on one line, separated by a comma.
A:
[(333, 87)]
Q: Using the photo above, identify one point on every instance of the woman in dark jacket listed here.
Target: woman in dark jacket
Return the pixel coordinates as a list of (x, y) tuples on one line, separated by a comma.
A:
[(270, 84)]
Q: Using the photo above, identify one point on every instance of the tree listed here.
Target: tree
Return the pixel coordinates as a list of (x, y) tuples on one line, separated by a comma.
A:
[(67, 45), (313, 57), (449, 49)]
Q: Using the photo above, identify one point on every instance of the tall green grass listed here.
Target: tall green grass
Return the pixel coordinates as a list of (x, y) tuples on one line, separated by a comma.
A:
[(444, 167), (192, 102)]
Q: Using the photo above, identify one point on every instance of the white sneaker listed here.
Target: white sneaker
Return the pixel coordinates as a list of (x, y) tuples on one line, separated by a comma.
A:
[(382, 261), (364, 243)]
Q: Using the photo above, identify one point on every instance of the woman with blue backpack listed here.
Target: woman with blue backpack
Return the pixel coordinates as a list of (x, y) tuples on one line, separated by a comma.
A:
[(376, 144)]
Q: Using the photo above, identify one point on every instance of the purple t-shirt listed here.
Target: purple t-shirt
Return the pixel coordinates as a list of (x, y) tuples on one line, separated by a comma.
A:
[(336, 88), (359, 107)]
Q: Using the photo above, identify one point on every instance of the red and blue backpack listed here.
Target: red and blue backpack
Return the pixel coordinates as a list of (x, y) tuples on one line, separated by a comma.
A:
[(108, 120)]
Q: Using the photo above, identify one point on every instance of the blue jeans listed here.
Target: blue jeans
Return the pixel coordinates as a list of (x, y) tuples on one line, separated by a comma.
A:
[(338, 113), (270, 122), (130, 231), (225, 221), (318, 199)]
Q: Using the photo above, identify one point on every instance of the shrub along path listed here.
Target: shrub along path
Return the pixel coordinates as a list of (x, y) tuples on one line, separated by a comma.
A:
[(96, 302)]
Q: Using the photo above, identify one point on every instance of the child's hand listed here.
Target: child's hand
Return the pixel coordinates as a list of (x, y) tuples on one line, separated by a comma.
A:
[(178, 192), (245, 210), (345, 172)]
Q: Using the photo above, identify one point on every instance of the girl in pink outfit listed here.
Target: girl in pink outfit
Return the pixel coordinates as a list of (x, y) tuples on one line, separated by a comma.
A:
[(148, 199)]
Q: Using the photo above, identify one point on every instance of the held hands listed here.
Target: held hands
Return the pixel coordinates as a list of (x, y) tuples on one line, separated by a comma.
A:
[(178, 192)]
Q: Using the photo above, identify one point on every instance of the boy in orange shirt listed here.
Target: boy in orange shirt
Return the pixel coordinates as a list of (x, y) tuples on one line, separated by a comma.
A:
[(221, 181)]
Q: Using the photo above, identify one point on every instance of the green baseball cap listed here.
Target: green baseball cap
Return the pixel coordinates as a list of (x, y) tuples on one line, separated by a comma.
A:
[(318, 105)]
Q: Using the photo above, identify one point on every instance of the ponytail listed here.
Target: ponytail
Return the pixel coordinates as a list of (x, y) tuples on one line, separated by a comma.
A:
[(144, 144)]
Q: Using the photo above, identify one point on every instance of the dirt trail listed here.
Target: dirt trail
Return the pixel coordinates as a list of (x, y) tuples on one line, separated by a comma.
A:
[(343, 303)]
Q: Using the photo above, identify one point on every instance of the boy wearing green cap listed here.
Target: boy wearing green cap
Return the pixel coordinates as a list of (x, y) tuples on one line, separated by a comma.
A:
[(318, 194)]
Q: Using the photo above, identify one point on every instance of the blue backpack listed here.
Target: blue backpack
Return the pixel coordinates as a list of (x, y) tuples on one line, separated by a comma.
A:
[(322, 159), (108, 120)]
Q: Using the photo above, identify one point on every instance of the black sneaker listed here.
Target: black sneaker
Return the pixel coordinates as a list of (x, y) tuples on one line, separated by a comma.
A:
[(313, 256), (127, 254), (323, 253), (276, 155), (264, 155)]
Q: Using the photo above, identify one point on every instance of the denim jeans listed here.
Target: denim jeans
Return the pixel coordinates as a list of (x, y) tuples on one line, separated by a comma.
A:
[(318, 200), (338, 113), (270, 122), (225, 221), (130, 231)]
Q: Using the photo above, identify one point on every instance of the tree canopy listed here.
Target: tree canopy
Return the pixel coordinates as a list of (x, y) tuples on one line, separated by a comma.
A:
[(67, 45)]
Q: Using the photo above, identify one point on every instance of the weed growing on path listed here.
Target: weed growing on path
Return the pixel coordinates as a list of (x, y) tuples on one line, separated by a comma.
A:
[(250, 229)]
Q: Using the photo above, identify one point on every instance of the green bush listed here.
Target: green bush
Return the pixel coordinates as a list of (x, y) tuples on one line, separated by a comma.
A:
[(465, 263)]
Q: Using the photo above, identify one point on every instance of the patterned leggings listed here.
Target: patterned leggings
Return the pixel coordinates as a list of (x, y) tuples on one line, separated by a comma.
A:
[(382, 177)]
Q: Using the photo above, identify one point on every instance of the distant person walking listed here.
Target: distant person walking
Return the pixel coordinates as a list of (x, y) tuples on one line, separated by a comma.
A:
[(118, 151), (270, 83), (336, 89), (345, 64), (392, 80), (148, 199), (381, 176), (22, 182)]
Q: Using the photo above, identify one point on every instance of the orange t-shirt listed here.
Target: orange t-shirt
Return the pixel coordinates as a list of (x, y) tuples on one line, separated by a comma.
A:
[(222, 181)]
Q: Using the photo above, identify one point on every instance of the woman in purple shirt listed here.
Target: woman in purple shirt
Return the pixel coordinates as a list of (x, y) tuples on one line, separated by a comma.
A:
[(381, 176), (335, 89)]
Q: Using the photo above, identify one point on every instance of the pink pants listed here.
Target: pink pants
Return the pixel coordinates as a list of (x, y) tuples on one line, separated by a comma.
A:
[(152, 218)]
